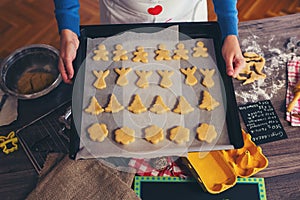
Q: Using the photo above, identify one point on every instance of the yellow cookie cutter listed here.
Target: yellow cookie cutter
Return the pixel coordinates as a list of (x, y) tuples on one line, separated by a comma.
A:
[(11, 138)]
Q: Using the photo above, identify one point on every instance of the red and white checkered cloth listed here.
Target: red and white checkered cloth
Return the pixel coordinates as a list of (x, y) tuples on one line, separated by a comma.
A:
[(144, 168), (293, 68)]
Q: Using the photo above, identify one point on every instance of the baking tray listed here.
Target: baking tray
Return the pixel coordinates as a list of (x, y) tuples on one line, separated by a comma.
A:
[(193, 30)]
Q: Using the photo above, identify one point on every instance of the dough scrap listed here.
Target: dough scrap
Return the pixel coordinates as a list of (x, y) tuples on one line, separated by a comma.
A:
[(113, 106), (100, 82), (122, 72), (162, 53), (154, 134), (94, 107), (180, 52), (101, 53), (183, 106), (200, 50), (206, 132), (125, 135), (208, 102), (137, 105), (253, 77), (179, 134), (189, 73), (143, 78), (140, 55), (159, 106), (98, 132), (119, 53), (166, 81), (208, 80)]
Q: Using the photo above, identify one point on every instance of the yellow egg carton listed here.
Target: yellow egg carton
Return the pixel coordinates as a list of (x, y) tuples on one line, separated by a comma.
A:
[(217, 171)]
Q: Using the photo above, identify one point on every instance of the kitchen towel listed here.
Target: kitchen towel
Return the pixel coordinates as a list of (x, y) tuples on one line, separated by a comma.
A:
[(9, 110), (293, 68)]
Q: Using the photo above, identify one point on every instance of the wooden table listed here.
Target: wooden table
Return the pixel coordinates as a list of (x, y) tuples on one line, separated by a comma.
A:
[(282, 176)]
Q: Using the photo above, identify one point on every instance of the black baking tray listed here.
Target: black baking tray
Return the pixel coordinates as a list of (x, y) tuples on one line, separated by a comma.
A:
[(191, 29)]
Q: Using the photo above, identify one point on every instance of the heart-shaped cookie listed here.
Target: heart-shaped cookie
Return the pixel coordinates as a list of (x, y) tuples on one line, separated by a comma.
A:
[(156, 10)]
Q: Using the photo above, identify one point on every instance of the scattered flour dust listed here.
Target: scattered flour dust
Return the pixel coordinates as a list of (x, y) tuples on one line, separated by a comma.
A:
[(276, 61)]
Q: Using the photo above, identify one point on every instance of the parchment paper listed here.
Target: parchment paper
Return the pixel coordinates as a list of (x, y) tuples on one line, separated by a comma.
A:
[(141, 148)]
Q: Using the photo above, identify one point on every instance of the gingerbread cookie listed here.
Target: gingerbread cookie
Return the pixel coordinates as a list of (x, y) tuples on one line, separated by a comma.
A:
[(125, 135), (183, 106), (189, 73), (101, 53), (166, 81), (137, 105), (94, 107), (154, 134), (143, 78), (159, 106), (100, 82), (200, 50), (206, 132), (122, 72), (179, 135), (113, 106), (98, 132), (140, 55), (180, 52), (162, 53), (208, 80), (208, 102), (119, 53)]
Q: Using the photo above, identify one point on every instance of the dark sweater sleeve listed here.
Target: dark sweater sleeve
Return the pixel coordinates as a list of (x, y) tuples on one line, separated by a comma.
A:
[(67, 15), (227, 16)]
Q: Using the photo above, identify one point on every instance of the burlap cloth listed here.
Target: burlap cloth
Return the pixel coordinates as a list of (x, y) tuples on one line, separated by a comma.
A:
[(63, 178)]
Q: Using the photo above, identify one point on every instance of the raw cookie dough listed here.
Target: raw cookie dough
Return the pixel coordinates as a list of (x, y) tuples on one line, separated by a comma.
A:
[(159, 106), (125, 135), (183, 106), (113, 106), (98, 132), (166, 81), (189, 73), (119, 53), (206, 132), (154, 134), (200, 50), (100, 53), (143, 78), (137, 105), (122, 72), (208, 80), (100, 82), (179, 134), (208, 102), (140, 55), (180, 52), (162, 53), (94, 107)]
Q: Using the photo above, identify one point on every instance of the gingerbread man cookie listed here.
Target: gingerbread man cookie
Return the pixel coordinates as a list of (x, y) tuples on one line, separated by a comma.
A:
[(162, 53), (98, 132), (179, 135), (206, 132), (208, 80), (101, 53), (143, 78), (159, 106), (94, 107), (190, 77), (166, 81), (140, 55), (183, 106), (125, 135), (122, 72), (180, 52), (113, 106), (154, 134), (137, 105), (208, 102), (100, 82), (119, 53), (200, 50)]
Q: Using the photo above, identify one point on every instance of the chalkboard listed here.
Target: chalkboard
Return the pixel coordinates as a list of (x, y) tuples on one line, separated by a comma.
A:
[(163, 188), (262, 122)]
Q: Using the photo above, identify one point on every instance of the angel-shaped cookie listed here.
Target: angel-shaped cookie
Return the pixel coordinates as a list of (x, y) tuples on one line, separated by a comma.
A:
[(100, 82), (166, 81), (189, 73)]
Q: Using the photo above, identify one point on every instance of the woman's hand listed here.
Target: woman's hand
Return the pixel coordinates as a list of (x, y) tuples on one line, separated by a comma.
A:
[(232, 55), (68, 47)]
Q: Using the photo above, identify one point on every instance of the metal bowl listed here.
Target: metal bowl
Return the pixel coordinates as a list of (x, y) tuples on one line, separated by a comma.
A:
[(37, 58)]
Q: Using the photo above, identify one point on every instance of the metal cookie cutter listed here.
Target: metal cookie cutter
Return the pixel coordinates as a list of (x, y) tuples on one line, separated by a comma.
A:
[(9, 143)]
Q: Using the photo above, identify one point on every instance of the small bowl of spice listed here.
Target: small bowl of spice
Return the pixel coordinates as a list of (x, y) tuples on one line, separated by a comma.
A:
[(30, 72)]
